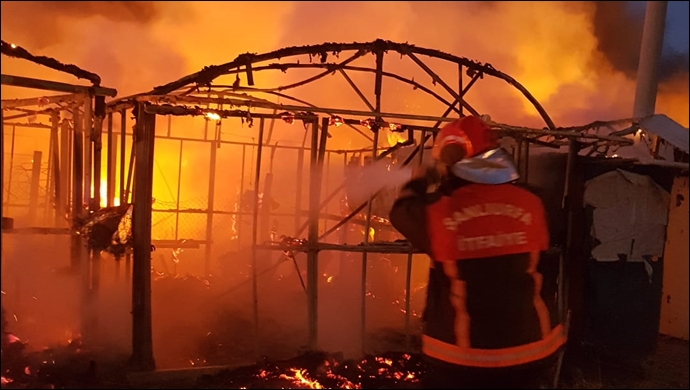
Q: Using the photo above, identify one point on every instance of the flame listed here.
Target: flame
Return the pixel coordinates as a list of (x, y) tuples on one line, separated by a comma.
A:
[(299, 378), (212, 116), (395, 137), (104, 194)]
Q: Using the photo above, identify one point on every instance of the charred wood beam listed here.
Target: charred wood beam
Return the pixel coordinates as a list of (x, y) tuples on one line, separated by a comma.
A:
[(334, 67), (142, 333), (208, 74), (214, 71), (26, 82), (12, 50), (41, 101), (316, 77), (285, 107)]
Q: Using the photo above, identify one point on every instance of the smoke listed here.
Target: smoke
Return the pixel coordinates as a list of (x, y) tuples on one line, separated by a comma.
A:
[(577, 58)]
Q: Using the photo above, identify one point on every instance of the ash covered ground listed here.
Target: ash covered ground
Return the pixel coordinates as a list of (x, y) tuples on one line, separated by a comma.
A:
[(285, 364)]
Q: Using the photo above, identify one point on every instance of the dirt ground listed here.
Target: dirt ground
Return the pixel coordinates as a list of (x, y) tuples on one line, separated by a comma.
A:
[(584, 367)]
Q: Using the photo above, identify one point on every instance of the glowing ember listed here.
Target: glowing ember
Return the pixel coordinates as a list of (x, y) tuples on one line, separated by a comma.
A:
[(299, 378), (212, 116)]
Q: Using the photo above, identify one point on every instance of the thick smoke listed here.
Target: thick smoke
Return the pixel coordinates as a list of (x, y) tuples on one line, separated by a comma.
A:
[(618, 28)]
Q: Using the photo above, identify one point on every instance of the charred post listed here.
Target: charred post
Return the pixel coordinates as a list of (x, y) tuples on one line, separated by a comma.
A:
[(208, 247), (65, 160), (77, 184), (35, 181), (142, 334), (123, 149), (55, 154), (111, 162), (255, 234)]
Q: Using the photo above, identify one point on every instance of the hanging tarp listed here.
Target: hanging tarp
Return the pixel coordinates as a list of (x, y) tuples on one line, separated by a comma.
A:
[(629, 218)]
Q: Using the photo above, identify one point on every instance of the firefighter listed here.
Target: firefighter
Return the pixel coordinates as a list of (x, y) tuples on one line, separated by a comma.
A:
[(485, 322)]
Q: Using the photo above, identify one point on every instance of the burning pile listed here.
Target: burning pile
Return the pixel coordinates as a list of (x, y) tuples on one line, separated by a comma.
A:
[(21, 368), (323, 371), (107, 229)]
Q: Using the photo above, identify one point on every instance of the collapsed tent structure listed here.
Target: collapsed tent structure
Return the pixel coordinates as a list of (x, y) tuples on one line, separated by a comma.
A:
[(308, 178)]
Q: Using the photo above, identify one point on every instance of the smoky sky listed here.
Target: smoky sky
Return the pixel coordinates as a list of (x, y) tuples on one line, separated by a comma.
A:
[(617, 26), (47, 18), (618, 29)]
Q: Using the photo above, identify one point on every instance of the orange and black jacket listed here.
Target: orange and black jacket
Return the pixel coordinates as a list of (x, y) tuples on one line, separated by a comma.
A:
[(484, 307)]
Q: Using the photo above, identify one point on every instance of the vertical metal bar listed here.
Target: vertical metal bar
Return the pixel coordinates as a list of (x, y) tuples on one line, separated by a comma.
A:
[(240, 206), (179, 186), (299, 182), (77, 184), (211, 194), (48, 196), (460, 92), (566, 202), (325, 180), (55, 152), (142, 334), (11, 167), (408, 282), (88, 158), (33, 189), (123, 183), (65, 179), (110, 163), (123, 150), (129, 189), (318, 148), (255, 233), (95, 279), (97, 133), (367, 223)]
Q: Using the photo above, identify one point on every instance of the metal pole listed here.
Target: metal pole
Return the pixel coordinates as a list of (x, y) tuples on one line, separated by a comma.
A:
[(129, 189), (123, 150), (255, 232), (298, 191), (110, 164), (408, 282), (48, 196), (324, 185), (239, 201), (367, 223), (55, 152), (96, 134), (77, 184), (65, 179), (11, 167), (318, 147), (179, 186), (460, 92), (211, 194), (650, 56), (33, 189), (88, 158), (142, 333)]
